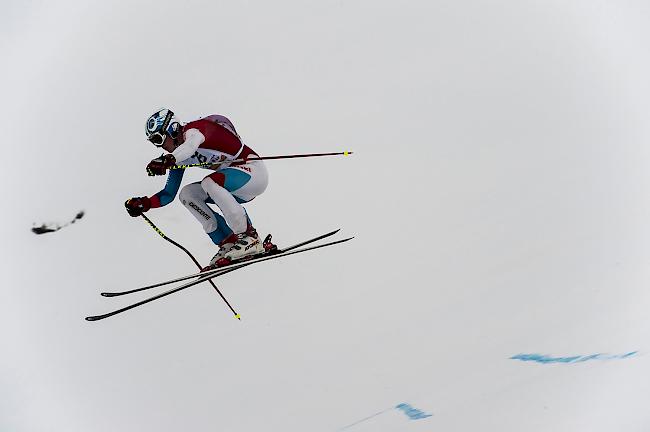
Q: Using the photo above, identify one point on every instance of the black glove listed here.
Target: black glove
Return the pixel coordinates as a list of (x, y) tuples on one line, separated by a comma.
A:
[(137, 205), (159, 165)]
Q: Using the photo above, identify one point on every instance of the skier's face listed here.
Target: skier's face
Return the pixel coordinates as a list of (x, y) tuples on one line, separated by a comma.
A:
[(168, 145)]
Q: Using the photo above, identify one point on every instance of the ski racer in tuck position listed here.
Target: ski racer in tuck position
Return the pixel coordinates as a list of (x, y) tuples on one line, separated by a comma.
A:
[(211, 140)]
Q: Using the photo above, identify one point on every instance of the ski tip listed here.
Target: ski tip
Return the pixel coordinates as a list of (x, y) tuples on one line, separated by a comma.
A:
[(92, 318), (105, 294)]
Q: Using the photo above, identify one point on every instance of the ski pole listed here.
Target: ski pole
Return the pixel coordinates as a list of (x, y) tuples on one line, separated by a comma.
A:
[(193, 259), (293, 156)]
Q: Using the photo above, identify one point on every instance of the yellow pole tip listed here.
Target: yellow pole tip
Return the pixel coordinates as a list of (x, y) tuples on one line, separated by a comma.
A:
[(238, 316)]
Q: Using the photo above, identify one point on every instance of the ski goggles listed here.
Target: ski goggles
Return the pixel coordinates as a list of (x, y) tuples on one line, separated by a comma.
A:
[(157, 139)]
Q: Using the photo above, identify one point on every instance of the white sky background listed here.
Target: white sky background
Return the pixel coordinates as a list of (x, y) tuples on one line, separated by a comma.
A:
[(499, 196)]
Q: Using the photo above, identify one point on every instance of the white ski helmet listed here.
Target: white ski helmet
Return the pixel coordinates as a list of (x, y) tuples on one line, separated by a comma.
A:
[(160, 124)]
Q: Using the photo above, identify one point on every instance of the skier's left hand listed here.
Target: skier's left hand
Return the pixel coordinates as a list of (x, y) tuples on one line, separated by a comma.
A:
[(137, 205), (159, 165)]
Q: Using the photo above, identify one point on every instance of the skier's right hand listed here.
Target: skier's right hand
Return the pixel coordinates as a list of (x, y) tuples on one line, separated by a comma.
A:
[(137, 205)]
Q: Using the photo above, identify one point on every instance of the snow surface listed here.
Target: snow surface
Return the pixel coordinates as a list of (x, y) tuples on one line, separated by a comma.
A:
[(499, 196)]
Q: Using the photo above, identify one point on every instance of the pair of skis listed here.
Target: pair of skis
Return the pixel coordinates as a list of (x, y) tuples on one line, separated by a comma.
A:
[(198, 278)]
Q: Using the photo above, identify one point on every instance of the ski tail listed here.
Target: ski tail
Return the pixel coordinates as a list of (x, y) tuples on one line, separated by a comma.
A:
[(315, 239)]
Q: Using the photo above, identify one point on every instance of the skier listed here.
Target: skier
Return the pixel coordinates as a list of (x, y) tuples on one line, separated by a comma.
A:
[(212, 140)]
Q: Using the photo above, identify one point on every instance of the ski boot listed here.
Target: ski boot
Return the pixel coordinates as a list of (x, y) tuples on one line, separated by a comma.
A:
[(233, 249), (224, 247), (246, 244)]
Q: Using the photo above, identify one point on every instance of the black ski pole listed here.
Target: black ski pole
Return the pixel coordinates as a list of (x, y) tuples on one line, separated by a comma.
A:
[(257, 158), (193, 259)]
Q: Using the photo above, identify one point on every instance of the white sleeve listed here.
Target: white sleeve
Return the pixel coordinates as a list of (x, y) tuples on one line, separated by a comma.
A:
[(193, 139)]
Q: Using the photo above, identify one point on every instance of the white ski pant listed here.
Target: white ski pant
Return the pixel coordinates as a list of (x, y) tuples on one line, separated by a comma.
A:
[(228, 188)]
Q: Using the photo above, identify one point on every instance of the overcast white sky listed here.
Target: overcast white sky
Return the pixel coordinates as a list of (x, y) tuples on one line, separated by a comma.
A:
[(499, 195)]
